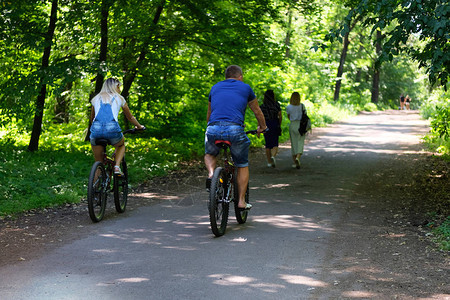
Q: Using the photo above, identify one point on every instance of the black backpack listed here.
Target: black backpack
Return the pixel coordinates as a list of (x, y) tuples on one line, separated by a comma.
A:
[(305, 122)]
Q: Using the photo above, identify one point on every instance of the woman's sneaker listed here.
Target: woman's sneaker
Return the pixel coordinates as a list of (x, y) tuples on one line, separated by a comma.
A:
[(118, 171)]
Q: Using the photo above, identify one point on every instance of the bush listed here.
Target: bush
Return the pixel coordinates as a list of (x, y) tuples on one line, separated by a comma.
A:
[(440, 123), (370, 107)]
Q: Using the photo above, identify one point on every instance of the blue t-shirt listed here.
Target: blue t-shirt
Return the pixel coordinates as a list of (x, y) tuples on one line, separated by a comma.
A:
[(229, 99)]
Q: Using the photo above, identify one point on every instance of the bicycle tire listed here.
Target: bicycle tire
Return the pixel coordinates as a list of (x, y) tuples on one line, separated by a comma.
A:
[(218, 213), (121, 188), (241, 215), (97, 194)]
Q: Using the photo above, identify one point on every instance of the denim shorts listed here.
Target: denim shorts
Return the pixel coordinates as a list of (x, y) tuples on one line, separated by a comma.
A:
[(109, 131), (240, 143)]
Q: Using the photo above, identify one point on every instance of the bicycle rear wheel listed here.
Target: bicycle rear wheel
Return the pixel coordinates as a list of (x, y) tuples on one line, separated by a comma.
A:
[(97, 192), (241, 215), (121, 188), (218, 213)]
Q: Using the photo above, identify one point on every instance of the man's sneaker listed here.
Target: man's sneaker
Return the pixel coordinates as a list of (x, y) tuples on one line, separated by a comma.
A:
[(208, 184), (274, 164)]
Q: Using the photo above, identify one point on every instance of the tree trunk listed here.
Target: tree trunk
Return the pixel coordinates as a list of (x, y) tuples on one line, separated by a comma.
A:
[(287, 41), (40, 101), (340, 72), (376, 71)]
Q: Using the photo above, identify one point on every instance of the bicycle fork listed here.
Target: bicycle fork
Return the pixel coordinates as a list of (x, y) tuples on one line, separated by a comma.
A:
[(228, 186)]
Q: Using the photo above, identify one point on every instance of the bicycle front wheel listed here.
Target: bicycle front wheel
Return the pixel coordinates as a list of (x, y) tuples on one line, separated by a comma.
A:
[(241, 215), (121, 188), (218, 212), (97, 192)]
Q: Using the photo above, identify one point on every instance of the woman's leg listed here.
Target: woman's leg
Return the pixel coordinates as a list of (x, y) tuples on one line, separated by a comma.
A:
[(269, 156), (120, 151), (274, 151), (98, 152)]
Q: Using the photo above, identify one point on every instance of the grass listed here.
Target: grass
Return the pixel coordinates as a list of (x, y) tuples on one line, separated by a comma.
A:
[(48, 178)]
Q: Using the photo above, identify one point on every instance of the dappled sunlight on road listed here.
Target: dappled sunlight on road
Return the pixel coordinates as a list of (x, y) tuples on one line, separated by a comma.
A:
[(157, 196), (234, 280), (104, 251), (350, 148), (276, 186), (303, 280), (246, 281), (319, 202), (228, 279), (359, 294), (291, 221), (132, 280)]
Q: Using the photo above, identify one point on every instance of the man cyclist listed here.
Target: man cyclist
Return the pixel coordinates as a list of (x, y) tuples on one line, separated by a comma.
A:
[(228, 100)]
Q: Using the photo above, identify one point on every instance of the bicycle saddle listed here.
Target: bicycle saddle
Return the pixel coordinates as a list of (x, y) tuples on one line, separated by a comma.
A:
[(222, 143), (102, 142)]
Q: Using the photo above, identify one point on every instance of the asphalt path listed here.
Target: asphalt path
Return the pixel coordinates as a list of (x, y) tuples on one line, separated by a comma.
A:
[(167, 250)]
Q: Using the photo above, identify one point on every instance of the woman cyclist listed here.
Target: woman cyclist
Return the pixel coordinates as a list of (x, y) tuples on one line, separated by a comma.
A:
[(104, 118)]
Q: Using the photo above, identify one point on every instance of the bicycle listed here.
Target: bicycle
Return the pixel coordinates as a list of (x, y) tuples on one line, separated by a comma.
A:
[(224, 190), (99, 184)]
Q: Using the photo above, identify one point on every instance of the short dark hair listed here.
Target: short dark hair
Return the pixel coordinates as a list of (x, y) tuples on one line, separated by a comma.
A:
[(233, 71)]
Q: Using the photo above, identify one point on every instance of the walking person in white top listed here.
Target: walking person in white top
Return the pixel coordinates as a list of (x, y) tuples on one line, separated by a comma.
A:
[(294, 113)]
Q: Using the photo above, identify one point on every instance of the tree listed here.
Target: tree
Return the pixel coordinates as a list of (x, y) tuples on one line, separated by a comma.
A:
[(340, 71), (429, 20), (376, 70), (39, 113)]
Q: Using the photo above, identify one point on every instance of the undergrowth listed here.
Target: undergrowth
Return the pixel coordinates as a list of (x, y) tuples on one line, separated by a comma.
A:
[(58, 172), (442, 235)]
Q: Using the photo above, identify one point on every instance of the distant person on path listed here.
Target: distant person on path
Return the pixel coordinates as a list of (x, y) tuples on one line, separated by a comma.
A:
[(407, 102), (104, 118), (272, 114), (228, 100), (402, 102), (294, 112)]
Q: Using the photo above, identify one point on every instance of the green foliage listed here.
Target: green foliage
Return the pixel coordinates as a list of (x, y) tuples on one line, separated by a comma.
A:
[(440, 124), (442, 235), (437, 109), (428, 20), (370, 107)]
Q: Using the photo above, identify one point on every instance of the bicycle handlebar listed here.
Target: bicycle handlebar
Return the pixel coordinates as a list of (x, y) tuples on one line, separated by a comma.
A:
[(134, 130), (256, 131)]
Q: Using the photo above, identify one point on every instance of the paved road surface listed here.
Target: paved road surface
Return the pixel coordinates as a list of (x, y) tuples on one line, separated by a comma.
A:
[(287, 250)]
